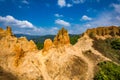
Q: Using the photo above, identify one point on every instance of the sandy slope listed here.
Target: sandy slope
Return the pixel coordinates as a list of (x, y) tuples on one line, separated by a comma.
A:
[(85, 44), (64, 63)]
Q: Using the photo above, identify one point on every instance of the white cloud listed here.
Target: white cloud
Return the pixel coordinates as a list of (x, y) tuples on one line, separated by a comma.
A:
[(88, 25), (25, 2), (38, 31), (62, 3), (25, 27), (62, 22), (78, 1), (105, 20), (86, 18), (69, 5), (58, 15), (116, 7), (10, 20), (102, 20)]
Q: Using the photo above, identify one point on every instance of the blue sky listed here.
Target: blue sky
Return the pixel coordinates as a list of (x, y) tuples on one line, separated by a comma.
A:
[(42, 17)]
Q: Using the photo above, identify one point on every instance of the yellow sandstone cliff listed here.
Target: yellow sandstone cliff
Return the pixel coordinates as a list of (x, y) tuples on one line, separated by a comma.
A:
[(61, 61), (111, 31)]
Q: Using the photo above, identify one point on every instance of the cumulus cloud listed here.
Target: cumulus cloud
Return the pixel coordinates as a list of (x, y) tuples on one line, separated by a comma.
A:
[(62, 22), (108, 18), (86, 18), (25, 27), (10, 20), (58, 15), (104, 20), (25, 2), (62, 3), (69, 5)]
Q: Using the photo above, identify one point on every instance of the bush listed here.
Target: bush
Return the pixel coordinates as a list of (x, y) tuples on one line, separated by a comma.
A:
[(108, 71), (39, 45), (74, 39), (116, 44)]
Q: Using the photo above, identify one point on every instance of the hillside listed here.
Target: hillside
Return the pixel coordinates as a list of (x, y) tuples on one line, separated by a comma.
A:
[(58, 59), (104, 32)]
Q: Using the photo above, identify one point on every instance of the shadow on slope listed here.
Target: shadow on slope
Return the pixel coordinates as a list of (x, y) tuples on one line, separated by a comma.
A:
[(6, 75), (106, 48), (73, 68)]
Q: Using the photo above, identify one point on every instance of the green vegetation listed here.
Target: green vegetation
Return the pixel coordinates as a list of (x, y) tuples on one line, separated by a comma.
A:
[(74, 39), (39, 45), (116, 44), (108, 71), (107, 48), (39, 41)]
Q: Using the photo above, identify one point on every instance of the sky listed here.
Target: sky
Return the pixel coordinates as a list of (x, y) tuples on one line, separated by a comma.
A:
[(43, 17)]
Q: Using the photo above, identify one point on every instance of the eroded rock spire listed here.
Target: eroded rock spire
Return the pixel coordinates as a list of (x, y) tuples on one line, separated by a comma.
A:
[(62, 38)]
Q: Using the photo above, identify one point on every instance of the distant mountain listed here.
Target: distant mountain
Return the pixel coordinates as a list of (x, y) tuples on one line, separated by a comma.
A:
[(41, 39), (29, 37)]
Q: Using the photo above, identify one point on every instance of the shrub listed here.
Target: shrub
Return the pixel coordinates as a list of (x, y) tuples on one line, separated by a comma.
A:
[(116, 44), (108, 71), (74, 39), (39, 45)]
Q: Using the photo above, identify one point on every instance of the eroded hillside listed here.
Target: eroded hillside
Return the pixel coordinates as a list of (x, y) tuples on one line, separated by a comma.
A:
[(58, 60), (104, 32)]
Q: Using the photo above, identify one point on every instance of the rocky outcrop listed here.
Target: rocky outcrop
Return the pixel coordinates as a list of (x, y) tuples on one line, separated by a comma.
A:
[(47, 44), (14, 46), (7, 32), (62, 38), (112, 31), (20, 57)]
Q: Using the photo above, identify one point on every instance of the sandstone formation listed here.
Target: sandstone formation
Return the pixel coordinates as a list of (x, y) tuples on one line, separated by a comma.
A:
[(21, 59), (47, 44), (16, 46), (112, 31), (7, 32), (62, 38)]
